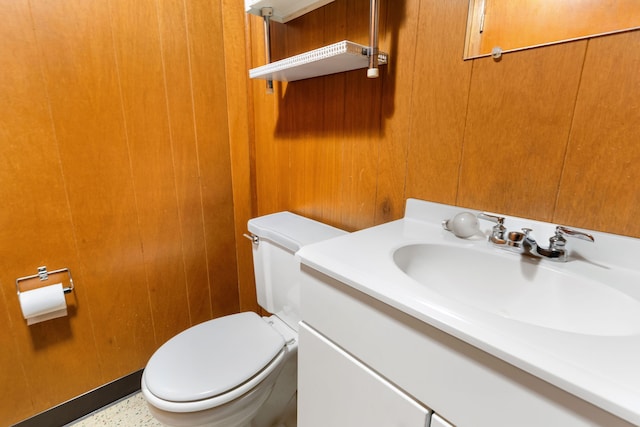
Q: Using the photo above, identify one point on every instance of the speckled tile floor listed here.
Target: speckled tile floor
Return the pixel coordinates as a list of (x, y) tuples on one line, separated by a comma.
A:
[(130, 411)]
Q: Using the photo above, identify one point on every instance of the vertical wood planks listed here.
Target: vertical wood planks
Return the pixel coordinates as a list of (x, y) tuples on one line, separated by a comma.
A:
[(104, 173), (305, 97), (362, 129), (33, 192), (439, 103), (399, 41), (313, 153), (484, 134), (600, 181), (82, 82), (326, 160), (269, 178), (518, 121), (206, 47), (517, 25), (142, 86), (241, 153), (176, 64)]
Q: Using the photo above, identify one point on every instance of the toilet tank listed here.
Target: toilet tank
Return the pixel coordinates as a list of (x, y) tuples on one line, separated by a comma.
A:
[(276, 268)]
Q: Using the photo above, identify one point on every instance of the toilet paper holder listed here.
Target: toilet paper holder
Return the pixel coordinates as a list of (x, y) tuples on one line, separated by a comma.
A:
[(43, 275)]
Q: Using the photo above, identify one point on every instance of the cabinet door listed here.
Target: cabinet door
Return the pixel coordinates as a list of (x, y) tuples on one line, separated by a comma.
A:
[(438, 421), (335, 389)]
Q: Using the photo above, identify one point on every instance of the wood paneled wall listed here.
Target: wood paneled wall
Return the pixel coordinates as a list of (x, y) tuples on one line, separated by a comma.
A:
[(115, 163), (549, 133), (518, 25), (133, 149)]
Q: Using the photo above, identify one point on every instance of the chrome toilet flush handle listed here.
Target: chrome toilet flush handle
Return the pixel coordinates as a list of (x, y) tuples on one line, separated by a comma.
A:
[(254, 239)]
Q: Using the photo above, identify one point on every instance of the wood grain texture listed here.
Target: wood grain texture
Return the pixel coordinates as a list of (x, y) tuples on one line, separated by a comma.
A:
[(264, 121), (600, 182), (176, 63), (440, 92), (306, 97), (105, 173), (326, 159), (361, 132), (83, 90), (35, 229), (313, 147), (241, 151), (206, 46), (122, 126), (519, 117), (516, 25), (142, 87), (399, 41), (483, 134)]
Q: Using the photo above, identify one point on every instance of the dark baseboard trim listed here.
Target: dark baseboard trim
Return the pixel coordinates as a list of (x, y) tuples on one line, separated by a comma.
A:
[(85, 404)]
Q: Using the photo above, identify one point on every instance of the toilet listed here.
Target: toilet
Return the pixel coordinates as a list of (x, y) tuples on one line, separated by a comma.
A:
[(241, 369)]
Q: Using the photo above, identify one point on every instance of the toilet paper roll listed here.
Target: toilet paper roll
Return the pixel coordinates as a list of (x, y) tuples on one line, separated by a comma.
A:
[(45, 303)]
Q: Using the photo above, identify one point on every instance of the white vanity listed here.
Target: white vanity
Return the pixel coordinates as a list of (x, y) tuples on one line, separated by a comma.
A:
[(405, 324)]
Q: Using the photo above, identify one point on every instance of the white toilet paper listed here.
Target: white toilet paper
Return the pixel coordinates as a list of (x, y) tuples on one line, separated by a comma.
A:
[(43, 303)]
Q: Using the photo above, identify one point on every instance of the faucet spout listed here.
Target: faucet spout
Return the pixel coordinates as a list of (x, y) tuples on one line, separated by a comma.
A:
[(531, 247), (548, 253), (556, 250)]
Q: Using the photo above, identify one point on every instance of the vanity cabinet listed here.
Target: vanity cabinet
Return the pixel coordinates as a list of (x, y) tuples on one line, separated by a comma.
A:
[(341, 391), (364, 363)]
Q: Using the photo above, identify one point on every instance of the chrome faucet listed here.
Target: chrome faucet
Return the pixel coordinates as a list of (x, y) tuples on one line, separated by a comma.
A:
[(498, 231), (522, 242), (556, 250)]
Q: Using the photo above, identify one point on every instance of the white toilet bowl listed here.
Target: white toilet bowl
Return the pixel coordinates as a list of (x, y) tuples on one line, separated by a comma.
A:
[(223, 373), (240, 370)]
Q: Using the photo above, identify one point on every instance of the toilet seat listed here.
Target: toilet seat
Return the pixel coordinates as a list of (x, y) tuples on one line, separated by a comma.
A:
[(212, 363)]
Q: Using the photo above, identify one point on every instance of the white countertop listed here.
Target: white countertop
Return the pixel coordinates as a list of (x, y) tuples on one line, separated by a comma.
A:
[(603, 370)]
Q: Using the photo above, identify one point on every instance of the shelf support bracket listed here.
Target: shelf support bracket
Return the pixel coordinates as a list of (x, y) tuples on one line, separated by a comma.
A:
[(267, 13), (372, 71)]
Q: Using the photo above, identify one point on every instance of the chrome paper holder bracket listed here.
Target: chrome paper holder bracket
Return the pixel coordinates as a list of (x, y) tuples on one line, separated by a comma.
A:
[(43, 275)]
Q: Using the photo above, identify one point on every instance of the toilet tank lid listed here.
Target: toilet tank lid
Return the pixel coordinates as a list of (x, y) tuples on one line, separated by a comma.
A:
[(292, 231)]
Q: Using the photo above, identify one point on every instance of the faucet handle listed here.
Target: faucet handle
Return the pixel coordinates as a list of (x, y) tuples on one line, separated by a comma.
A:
[(499, 229), (565, 231), (499, 220), (558, 241)]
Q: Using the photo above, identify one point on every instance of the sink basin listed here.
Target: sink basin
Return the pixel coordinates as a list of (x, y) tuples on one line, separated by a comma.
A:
[(521, 289)]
